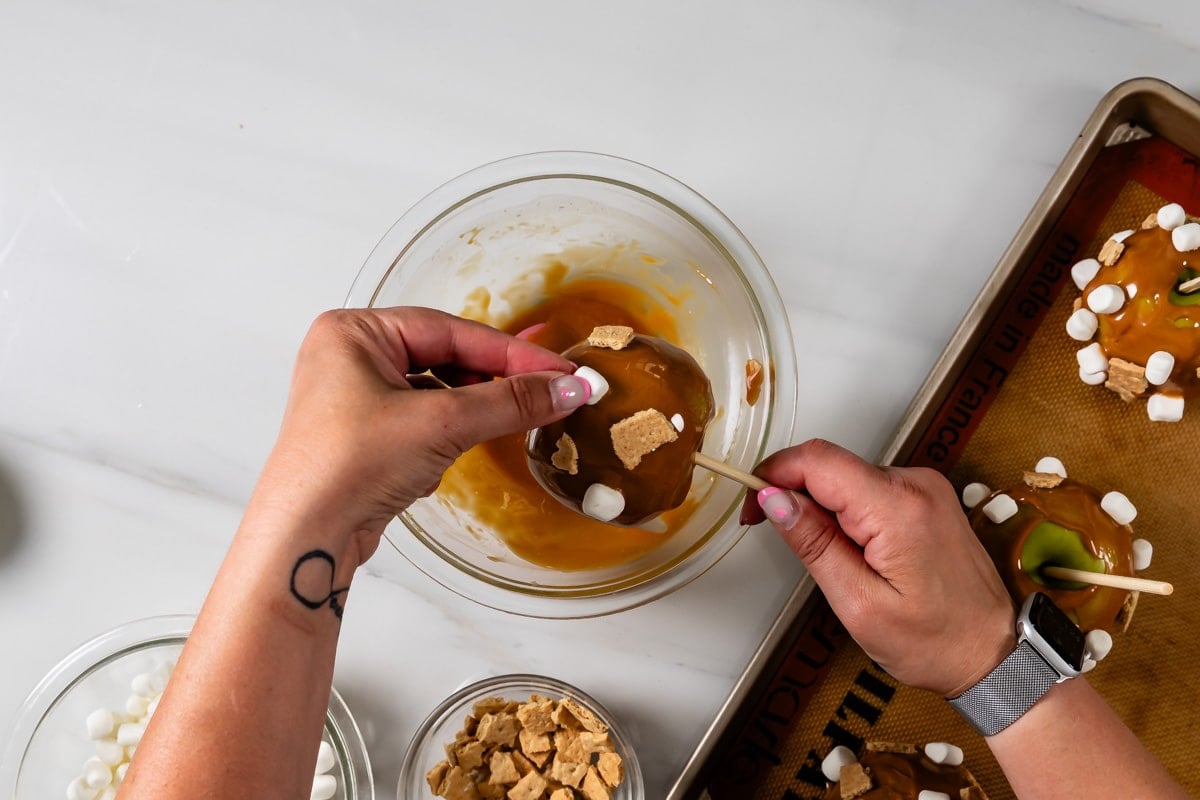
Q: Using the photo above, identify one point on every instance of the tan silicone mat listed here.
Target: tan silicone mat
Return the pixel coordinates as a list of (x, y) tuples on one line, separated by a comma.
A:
[(1017, 399)]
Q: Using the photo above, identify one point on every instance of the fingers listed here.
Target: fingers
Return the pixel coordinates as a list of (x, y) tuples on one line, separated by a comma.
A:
[(512, 405)]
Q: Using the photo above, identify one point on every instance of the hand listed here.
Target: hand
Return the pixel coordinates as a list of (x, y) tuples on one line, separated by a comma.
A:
[(897, 561), (358, 444)]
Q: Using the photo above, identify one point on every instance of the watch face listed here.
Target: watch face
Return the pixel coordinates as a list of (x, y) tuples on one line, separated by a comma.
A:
[(1057, 629)]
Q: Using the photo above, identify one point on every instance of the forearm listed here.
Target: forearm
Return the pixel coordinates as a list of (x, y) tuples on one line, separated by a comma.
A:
[(1071, 744), (243, 712)]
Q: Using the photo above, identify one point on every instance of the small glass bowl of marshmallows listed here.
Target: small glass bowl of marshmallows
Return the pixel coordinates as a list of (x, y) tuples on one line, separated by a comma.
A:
[(78, 730)]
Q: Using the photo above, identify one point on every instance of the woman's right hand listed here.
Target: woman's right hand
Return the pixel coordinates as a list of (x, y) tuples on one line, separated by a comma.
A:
[(897, 560)]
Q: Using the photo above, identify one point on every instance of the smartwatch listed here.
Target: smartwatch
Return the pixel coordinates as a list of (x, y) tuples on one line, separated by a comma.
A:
[(1050, 650)]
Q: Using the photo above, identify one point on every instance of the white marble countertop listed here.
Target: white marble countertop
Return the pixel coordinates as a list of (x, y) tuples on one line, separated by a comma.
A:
[(184, 186)]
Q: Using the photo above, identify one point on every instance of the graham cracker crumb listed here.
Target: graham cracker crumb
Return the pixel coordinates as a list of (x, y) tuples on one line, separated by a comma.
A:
[(640, 435), (902, 748), (1125, 378), (1042, 480), (854, 781), (614, 337), (1078, 304), (566, 456), (1150, 222), (1125, 615), (1110, 252)]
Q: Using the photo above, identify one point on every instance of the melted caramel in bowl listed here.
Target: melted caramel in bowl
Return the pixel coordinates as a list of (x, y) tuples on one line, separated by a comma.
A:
[(492, 482)]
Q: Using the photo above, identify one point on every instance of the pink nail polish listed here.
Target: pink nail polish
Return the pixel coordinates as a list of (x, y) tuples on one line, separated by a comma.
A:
[(568, 392), (780, 506)]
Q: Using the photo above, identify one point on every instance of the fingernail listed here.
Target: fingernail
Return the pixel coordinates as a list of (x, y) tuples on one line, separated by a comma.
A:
[(568, 392), (780, 506), (531, 330)]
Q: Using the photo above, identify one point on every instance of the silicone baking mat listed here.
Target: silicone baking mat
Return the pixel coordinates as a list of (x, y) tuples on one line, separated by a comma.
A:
[(1018, 398)]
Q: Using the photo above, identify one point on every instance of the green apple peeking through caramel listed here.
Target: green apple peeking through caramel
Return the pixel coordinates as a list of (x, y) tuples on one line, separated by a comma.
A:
[(1052, 544)]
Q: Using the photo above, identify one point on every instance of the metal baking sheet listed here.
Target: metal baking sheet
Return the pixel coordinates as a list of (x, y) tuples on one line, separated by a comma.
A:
[(1135, 109)]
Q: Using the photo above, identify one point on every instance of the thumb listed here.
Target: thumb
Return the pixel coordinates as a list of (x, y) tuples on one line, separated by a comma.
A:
[(834, 561), (516, 404)]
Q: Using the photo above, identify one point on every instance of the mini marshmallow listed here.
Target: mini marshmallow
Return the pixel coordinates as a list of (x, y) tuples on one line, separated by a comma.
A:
[(1097, 644), (96, 774), (1164, 408), (78, 790), (1082, 325), (1092, 359), (930, 794), (130, 733), (1051, 466), (110, 752), (159, 677), (944, 753), (109, 793), (1159, 366), (136, 705), (1122, 236), (100, 723), (120, 771), (677, 421), (1186, 238), (1000, 508), (323, 788), (1088, 665), (141, 685), (152, 706), (325, 757), (1171, 216), (1107, 298), (974, 493), (1092, 378), (1117, 506), (838, 757), (1143, 553), (595, 381), (602, 502), (1083, 272)]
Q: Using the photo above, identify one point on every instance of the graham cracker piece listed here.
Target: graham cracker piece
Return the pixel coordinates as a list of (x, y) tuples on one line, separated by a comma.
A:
[(562, 793), (1150, 221), (640, 435), (1042, 480), (530, 787), (503, 770), (1125, 615), (1078, 304), (566, 456), (1125, 378), (614, 337), (594, 787), (436, 775), (853, 781), (611, 768), (902, 748), (498, 728), (458, 786), (1110, 252), (534, 743), (568, 773)]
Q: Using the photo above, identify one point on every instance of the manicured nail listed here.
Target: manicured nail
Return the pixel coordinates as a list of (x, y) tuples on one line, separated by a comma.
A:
[(569, 392), (780, 506)]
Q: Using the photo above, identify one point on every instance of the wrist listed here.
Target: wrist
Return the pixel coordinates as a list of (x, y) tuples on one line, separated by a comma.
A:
[(982, 654)]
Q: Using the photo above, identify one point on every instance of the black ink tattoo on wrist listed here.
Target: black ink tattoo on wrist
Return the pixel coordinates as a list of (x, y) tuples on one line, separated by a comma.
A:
[(309, 579)]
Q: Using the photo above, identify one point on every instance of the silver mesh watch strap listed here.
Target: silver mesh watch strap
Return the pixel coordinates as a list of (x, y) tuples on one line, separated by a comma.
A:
[(1006, 692)]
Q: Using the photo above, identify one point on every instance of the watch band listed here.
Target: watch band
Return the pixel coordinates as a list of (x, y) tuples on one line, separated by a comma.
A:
[(1007, 692)]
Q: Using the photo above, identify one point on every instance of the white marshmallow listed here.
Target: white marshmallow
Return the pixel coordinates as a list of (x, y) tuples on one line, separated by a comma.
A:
[(974, 493), (1082, 325), (1186, 237), (596, 381), (1092, 378), (602, 502), (1000, 508), (1159, 366), (1122, 236), (325, 757), (1107, 298), (1164, 408), (100, 723), (832, 764), (677, 421), (1143, 553), (1083, 272), (96, 774), (159, 677), (141, 685), (930, 794), (120, 771), (1092, 359), (1050, 466), (109, 793), (130, 734), (1171, 216), (323, 788), (152, 706), (110, 752), (136, 705), (1097, 644), (78, 790), (129, 751), (944, 753), (1117, 506), (1088, 665)]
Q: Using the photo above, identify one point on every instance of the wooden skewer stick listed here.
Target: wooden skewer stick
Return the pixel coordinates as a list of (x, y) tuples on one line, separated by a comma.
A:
[(721, 468), (1187, 287), (1104, 579)]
